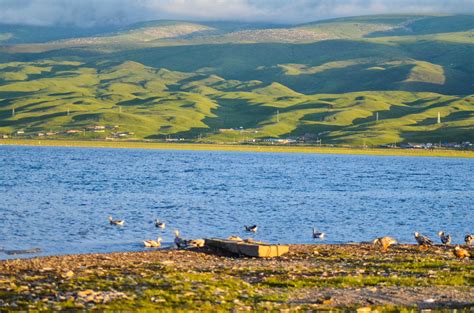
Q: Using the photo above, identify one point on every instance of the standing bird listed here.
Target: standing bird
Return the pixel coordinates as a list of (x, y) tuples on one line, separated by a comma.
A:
[(252, 229), (317, 234), (384, 242), (159, 224), (178, 241), (460, 252), (445, 238), (116, 222), (468, 239), (423, 241), (152, 243)]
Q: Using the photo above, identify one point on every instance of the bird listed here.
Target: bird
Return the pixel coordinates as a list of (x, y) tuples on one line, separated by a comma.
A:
[(317, 234), (460, 252), (116, 222), (195, 243), (423, 241), (152, 243), (160, 224), (252, 229), (384, 242), (445, 238), (178, 241), (468, 239)]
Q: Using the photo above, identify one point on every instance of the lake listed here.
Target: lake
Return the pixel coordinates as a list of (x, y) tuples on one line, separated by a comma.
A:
[(58, 199)]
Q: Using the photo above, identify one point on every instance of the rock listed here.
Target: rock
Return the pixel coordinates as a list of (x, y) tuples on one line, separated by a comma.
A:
[(365, 309), (89, 298), (85, 293), (69, 274)]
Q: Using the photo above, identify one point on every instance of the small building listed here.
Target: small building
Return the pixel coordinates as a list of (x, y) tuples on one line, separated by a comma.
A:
[(73, 131)]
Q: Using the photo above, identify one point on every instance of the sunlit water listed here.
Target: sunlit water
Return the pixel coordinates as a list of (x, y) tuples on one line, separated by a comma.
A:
[(58, 199)]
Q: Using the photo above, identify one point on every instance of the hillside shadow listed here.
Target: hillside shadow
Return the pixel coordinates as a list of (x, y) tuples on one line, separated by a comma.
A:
[(235, 113), (27, 120)]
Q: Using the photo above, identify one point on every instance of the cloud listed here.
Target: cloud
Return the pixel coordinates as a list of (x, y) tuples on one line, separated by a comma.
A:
[(118, 12)]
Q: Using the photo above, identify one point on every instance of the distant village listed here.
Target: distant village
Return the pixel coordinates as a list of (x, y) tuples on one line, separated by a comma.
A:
[(96, 129), (111, 132)]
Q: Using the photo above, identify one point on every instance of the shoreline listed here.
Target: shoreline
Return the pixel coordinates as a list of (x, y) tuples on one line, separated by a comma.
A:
[(237, 148), (310, 277)]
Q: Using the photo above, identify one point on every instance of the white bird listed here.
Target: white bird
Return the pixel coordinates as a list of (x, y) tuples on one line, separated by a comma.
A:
[(317, 234), (116, 222), (445, 238), (152, 243), (160, 224), (252, 228)]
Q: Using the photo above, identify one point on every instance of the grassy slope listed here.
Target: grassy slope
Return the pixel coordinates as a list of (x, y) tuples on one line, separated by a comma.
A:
[(406, 68)]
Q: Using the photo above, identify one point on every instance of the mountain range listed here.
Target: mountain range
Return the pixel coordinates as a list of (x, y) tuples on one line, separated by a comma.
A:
[(360, 80)]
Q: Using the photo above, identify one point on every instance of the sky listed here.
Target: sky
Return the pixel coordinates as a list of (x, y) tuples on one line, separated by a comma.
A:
[(89, 13)]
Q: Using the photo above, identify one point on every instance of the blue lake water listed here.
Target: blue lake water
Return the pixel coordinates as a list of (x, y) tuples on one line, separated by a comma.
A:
[(58, 199)]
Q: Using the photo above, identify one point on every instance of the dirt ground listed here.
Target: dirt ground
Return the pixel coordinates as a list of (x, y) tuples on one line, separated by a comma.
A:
[(309, 277)]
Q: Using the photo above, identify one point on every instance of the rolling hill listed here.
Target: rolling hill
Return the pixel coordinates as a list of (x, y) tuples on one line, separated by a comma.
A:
[(227, 82)]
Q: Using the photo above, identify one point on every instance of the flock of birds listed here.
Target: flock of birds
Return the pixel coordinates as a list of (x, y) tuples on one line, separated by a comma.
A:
[(383, 242), (424, 242)]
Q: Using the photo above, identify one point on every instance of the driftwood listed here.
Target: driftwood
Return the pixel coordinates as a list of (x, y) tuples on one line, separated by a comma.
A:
[(251, 249)]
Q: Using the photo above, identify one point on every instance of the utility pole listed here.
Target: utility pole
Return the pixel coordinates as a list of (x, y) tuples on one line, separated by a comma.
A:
[(377, 117), (13, 112), (68, 112), (278, 116), (439, 118)]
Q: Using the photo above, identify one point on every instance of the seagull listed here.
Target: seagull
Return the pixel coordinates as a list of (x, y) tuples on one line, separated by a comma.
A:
[(178, 241), (152, 243), (116, 222), (252, 228), (423, 241), (384, 242), (445, 238), (468, 239), (317, 234), (460, 252), (160, 224)]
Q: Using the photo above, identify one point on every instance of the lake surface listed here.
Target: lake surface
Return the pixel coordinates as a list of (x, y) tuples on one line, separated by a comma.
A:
[(58, 199)]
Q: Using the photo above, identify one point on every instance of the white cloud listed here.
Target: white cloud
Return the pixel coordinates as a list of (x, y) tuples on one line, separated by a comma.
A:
[(104, 12)]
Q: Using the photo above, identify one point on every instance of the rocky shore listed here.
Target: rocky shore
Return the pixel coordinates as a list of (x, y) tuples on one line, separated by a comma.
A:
[(311, 277)]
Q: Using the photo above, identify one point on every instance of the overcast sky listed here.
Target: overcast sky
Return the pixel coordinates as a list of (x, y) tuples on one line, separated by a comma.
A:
[(105, 12)]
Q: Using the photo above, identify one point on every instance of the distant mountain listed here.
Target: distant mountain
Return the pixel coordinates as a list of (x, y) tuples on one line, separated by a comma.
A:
[(327, 79)]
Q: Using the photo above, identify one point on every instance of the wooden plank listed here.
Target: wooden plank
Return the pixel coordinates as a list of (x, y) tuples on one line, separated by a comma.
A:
[(259, 250)]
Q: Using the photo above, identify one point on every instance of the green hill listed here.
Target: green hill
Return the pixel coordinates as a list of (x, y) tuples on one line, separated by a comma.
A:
[(224, 82)]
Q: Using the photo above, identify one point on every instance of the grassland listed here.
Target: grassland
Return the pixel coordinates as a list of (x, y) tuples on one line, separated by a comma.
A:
[(229, 82), (310, 277), (238, 148)]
